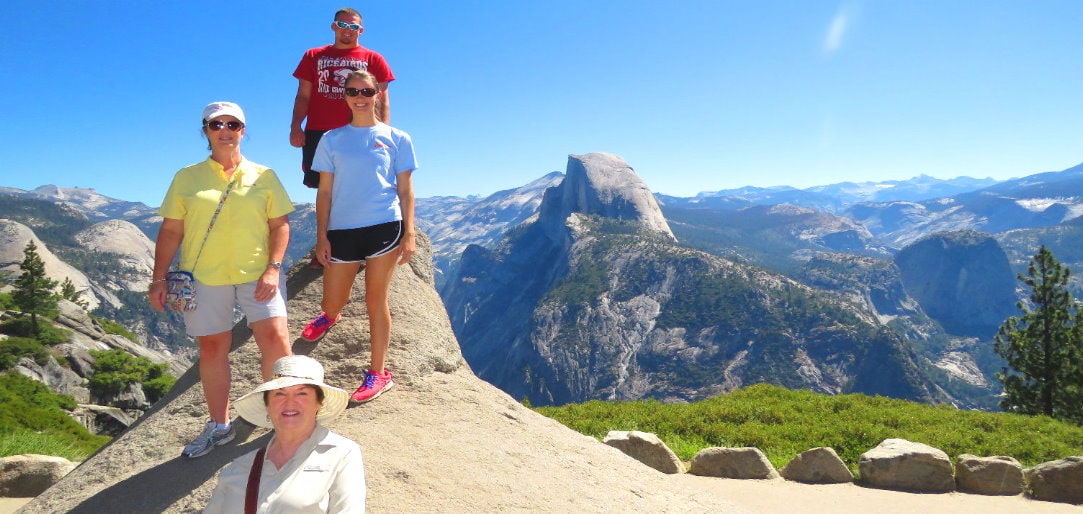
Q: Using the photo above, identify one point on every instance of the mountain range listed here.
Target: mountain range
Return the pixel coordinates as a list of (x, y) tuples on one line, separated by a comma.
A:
[(566, 290)]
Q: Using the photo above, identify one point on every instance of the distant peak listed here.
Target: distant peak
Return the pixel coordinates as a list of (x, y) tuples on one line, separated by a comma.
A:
[(605, 185)]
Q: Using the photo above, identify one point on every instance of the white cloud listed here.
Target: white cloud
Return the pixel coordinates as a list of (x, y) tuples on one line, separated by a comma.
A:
[(836, 31)]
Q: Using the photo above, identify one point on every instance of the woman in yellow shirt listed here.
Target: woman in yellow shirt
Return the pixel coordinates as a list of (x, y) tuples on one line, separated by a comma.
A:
[(237, 260)]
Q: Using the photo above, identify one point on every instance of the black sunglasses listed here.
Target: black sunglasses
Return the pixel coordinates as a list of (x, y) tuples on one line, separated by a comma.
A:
[(217, 125), (344, 25), (366, 92)]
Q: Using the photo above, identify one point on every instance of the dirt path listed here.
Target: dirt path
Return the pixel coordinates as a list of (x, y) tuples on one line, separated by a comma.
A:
[(783, 496)]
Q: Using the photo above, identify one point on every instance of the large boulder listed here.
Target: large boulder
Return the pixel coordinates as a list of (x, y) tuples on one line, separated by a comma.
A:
[(817, 466), (59, 379), (78, 357), (103, 420), (907, 466), (732, 463), (90, 335), (646, 448), (988, 475), (73, 316), (1057, 481), (438, 417), (131, 398), (25, 476)]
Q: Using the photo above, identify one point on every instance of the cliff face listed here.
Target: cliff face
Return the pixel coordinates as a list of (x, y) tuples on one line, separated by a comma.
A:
[(603, 184), (961, 279), (639, 318), (437, 417), (596, 300), (14, 237)]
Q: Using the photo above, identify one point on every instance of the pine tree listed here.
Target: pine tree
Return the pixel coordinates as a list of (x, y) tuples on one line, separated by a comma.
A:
[(68, 292), (1043, 347), (1074, 396), (34, 292)]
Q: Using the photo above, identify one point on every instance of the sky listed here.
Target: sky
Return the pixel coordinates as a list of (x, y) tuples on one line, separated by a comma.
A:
[(696, 95)]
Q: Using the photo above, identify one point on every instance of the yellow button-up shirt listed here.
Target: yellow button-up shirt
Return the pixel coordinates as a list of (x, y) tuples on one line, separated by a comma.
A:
[(236, 251)]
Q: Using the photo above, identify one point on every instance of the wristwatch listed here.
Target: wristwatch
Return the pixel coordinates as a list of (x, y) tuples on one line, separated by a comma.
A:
[(275, 264)]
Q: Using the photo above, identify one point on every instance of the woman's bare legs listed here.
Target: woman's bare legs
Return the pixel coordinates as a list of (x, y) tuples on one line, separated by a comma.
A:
[(214, 373), (338, 280), (378, 273), (272, 338)]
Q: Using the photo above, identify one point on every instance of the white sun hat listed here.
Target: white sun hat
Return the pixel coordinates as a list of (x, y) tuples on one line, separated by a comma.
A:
[(289, 371)]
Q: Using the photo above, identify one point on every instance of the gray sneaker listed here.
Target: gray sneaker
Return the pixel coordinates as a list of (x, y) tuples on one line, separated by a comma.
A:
[(207, 440)]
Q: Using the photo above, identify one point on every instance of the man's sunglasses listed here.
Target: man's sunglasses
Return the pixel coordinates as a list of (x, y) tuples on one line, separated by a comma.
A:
[(217, 125), (344, 25), (366, 92)]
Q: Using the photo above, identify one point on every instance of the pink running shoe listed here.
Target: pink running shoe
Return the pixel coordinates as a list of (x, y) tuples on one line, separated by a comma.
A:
[(318, 327), (374, 385)]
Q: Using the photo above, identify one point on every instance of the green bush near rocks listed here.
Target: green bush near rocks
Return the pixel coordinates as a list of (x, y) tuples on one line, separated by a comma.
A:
[(114, 370), (783, 423), (32, 418)]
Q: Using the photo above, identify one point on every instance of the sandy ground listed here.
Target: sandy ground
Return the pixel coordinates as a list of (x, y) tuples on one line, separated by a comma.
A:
[(769, 496), (8, 505)]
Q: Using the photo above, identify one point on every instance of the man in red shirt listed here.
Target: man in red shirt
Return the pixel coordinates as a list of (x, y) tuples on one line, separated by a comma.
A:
[(321, 76)]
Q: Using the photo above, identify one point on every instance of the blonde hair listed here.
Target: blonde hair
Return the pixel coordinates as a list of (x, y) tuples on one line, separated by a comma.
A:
[(363, 75)]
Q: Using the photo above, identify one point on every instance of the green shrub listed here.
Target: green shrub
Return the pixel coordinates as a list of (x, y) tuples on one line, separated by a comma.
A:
[(29, 406), (112, 327), (14, 348), (783, 423), (24, 327), (27, 441), (115, 370), (32, 393), (155, 388)]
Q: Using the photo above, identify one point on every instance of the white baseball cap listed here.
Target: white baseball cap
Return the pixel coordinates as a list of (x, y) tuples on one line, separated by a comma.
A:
[(216, 109)]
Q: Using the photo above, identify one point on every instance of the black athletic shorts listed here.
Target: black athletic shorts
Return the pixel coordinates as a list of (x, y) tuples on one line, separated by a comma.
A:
[(358, 244), (308, 152)]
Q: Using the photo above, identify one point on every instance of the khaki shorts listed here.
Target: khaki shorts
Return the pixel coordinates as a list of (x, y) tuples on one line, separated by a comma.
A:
[(215, 307)]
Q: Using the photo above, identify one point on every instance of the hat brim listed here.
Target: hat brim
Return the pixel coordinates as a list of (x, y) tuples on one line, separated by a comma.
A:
[(252, 409)]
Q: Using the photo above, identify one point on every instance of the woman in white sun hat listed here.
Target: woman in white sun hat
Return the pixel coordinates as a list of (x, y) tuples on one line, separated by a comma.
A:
[(305, 467)]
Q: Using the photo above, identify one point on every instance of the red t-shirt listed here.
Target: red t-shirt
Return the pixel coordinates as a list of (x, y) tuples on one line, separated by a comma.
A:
[(326, 68)]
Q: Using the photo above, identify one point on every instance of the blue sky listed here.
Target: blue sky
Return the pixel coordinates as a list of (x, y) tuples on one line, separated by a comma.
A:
[(697, 95)]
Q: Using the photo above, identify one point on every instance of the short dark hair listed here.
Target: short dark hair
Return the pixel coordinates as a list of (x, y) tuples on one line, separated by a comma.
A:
[(348, 10)]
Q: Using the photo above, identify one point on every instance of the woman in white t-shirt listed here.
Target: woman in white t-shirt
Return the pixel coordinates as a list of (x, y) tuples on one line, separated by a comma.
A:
[(364, 216)]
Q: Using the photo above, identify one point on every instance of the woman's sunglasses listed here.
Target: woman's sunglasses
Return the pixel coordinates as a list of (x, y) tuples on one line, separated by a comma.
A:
[(366, 92), (217, 125)]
